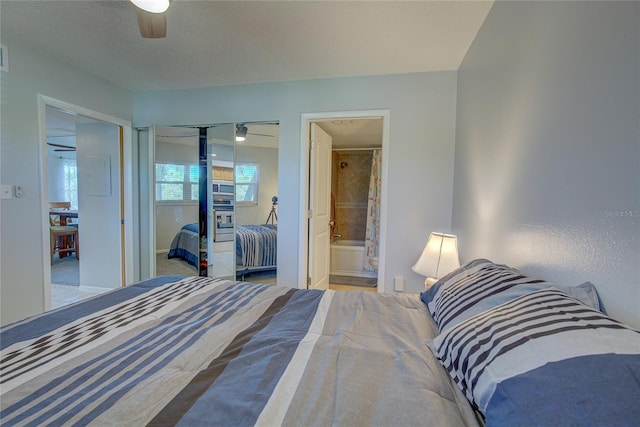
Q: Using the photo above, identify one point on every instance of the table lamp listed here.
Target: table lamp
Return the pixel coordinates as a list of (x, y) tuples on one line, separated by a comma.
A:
[(439, 257)]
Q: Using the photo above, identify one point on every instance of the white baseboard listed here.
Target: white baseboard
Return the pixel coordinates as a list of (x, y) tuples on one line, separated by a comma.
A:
[(365, 274)]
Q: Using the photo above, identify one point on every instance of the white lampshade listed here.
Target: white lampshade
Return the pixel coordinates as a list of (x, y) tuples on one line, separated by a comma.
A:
[(153, 6), (439, 257)]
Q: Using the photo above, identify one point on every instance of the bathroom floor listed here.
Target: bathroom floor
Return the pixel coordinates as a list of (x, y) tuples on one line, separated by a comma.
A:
[(348, 288), (369, 282)]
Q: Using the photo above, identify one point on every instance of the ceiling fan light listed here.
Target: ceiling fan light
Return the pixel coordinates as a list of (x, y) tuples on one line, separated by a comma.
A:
[(153, 6), (241, 133)]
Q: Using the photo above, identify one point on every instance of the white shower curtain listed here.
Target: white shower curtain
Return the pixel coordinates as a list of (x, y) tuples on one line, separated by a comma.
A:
[(372, 237)]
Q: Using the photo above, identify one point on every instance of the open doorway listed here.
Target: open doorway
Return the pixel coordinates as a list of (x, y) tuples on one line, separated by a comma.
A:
[(343, 187), (83, 192)]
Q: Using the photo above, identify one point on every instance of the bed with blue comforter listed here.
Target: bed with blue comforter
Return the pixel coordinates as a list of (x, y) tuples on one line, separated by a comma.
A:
[(485, 344), (200, 351), (186, 244), (256, 247)]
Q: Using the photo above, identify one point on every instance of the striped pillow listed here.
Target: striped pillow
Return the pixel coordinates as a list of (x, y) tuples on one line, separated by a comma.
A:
[(545, 357), (481, 285)]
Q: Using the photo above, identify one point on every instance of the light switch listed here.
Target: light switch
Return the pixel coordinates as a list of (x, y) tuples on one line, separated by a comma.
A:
[(6, 191)]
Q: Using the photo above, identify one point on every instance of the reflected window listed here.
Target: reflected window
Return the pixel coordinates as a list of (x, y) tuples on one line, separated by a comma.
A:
[(176, 182), (247, 177), (70, 181)]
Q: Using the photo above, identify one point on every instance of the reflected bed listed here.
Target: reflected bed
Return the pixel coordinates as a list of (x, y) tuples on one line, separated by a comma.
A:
[(256, 247)]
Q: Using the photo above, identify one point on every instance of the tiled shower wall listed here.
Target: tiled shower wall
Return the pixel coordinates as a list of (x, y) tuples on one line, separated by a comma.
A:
[(350, 188)]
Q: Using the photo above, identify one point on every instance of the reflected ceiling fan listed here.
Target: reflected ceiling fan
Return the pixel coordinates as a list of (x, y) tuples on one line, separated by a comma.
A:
[(61, 147), (242, 132), (152, 18)]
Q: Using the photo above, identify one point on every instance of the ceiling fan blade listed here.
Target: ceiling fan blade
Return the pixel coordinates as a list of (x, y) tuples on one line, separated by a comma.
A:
[(259, 134), (152, 25), (69, 147)]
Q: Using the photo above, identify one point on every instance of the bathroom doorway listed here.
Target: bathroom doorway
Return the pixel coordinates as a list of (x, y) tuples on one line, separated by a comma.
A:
[(345, 241)]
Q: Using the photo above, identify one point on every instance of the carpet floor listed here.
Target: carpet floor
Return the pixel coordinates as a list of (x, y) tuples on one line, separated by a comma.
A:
[(65, 271)]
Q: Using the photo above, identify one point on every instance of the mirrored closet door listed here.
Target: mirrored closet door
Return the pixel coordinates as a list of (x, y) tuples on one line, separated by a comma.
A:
[(174, 181), (215, 201)]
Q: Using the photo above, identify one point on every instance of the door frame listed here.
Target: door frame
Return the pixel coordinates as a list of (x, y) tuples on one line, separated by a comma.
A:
[(305, 120), (126, 187)]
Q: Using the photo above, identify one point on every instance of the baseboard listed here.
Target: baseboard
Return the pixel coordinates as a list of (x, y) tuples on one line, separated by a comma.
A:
[(351, 273)]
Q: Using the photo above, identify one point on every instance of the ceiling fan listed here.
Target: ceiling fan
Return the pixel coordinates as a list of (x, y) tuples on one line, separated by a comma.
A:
[(242, 132), (61, 147), (152, 18)]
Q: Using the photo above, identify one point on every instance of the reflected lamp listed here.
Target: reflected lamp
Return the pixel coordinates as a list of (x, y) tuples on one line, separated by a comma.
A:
[(439, 257)]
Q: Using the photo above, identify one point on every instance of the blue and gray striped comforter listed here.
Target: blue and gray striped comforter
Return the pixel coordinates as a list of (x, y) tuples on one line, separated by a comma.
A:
[(201, 351), (256, 245), (186, 244)]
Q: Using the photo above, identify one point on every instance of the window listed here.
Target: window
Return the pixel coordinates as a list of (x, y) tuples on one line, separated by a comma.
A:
[(69, 181), (176, 182), (247, 177)]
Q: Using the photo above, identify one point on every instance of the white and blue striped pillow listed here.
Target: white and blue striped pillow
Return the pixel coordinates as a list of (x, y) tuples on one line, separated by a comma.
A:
[(481, 285), (545, 358)]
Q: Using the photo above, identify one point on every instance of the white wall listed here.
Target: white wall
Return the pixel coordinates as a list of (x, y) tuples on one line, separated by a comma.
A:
[(21, 271), (421, 150), (267, 158), (547, 174)]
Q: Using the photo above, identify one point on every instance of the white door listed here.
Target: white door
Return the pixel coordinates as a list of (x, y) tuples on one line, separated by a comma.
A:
[(320, 206), (99, 205)]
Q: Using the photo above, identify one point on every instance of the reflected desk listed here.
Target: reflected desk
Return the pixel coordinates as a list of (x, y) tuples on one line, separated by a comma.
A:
[(63, 214)]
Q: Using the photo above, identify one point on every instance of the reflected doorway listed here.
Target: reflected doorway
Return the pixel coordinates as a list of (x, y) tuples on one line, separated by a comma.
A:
[(84, 207)]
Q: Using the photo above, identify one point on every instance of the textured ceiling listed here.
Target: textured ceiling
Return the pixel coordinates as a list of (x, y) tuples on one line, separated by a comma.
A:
[(213, 43)]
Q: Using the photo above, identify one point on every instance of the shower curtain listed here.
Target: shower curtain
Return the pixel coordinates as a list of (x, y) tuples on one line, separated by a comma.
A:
[(371, 242)]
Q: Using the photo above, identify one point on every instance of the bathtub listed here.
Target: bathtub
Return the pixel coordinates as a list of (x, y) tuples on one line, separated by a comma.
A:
[(347, 257)]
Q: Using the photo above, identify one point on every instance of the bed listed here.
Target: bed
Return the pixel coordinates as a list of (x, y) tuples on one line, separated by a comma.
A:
[(186, 244), (203, 351), (485, 344), (256, 247)]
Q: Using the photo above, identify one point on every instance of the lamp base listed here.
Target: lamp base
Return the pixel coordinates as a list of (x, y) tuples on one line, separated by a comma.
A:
[(429, 281)]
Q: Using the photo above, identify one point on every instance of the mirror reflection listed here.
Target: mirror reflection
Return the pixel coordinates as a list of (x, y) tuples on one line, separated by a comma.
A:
[(217, 222), (256, 178), (176, 177), (216, 201)]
